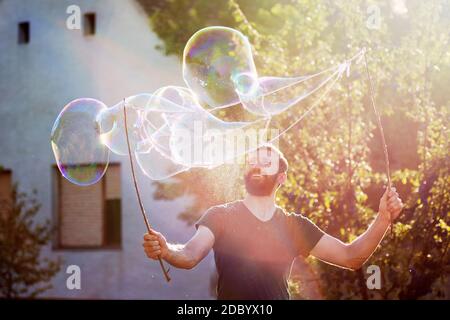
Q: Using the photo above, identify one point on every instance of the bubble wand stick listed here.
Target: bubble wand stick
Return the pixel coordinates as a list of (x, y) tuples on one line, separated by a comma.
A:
[(144, 215), (380, 127)]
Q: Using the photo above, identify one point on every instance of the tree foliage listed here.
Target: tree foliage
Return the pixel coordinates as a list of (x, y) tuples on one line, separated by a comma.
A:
[(24, 271), (336, 161)]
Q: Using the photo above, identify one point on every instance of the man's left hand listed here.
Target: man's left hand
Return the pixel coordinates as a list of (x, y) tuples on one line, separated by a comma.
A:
[(390, 204)]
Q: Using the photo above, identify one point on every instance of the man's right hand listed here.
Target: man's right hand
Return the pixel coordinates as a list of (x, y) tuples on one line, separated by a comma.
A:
[(155, 245), (185, 256)]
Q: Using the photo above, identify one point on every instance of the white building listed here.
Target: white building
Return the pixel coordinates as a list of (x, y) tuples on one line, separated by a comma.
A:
[(43, 66)]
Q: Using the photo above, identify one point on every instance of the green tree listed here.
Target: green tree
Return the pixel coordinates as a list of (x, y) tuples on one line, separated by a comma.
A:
[(24, 271), (336, 162)]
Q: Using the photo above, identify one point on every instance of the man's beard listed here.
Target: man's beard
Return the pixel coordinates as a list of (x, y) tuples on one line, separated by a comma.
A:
[(260, 187)]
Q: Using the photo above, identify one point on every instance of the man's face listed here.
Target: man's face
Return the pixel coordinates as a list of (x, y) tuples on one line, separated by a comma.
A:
[(261, 172)]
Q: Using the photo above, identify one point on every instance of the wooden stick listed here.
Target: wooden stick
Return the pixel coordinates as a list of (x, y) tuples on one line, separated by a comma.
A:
[(144, 215), (380, 127)]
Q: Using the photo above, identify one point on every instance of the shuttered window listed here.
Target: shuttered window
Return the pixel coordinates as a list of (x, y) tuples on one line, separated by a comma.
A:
[(89, 216), (6, 187)]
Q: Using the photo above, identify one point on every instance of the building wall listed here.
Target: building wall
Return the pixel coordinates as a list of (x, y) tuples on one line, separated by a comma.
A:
[(57, 66)]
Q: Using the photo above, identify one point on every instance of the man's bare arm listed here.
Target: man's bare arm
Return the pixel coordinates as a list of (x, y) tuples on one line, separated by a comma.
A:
[(184, 256), (353, 255)]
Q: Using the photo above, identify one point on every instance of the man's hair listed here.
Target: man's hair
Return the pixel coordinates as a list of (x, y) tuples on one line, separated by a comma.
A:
[(283, 164)]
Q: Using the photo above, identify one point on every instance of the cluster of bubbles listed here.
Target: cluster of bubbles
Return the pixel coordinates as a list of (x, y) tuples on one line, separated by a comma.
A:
[(176, 128)]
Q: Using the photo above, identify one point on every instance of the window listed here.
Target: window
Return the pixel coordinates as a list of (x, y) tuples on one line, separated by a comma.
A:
[(24, 33), (6, 188), (89, 217), (89, 24)]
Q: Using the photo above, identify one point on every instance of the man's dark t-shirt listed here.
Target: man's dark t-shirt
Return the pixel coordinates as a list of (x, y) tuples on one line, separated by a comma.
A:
[(253, 257)]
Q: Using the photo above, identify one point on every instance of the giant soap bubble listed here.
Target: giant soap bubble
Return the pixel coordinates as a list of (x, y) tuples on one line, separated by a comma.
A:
[(178, 128), (153, 154), (80, 155), (218, 66), (112, 124), (214, 60), (194, 137)]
